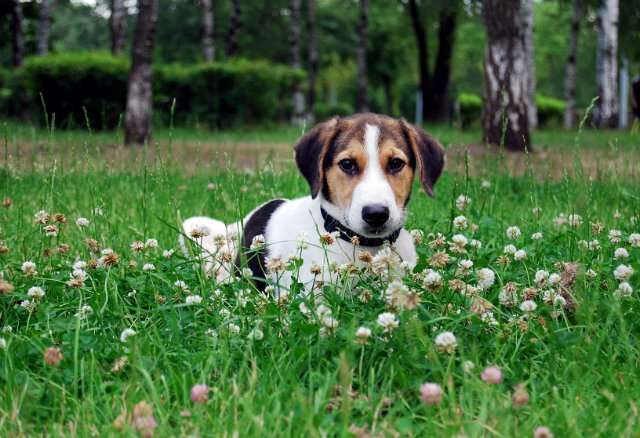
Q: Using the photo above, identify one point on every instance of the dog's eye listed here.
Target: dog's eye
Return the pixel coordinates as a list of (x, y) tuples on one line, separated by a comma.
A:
[(348, 166), (395, 165)]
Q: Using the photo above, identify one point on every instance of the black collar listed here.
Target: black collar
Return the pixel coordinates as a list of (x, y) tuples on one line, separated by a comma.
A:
[(331, 224)]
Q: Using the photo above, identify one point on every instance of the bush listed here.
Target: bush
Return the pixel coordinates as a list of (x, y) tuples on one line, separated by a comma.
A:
[(550, 110), (71, 83), (324, 111), (224, 94), (5, 91), (470, 106)]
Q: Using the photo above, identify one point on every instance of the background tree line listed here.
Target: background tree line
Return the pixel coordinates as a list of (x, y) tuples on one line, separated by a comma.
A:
[(427, 60)]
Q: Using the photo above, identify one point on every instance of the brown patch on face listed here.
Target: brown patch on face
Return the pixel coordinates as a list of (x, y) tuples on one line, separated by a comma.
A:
[(340, 185), (401, 180)]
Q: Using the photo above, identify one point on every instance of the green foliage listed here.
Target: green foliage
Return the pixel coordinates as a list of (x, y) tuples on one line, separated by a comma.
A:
[(550, 110), (324, 111), (72, 83), (226, 94), (5, 91), (470, 108)]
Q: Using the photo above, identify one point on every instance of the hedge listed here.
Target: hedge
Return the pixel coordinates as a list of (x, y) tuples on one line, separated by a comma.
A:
[(218, 94), (550, 110)]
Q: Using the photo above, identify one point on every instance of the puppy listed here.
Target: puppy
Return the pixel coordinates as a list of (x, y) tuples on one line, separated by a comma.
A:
[(360, 171)]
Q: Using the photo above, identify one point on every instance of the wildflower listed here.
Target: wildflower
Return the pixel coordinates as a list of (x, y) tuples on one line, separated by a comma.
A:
[(41, 217), (591, 274), (199, 393), (486, 277), (328, 238), (5, 287), (541, 277), (84, 312), (430, 393), (256, 334), (417, 236), (560, 220), (199, 231), (542, 432), (554, 279), (460, 223), (468, 366), (528, 306), (513, 232), (508, 295), (167, 253), (193, 299), (510, 249), (143, 420), (127, 333), (458, 243), (82, 222), (119, 364), (559, 301), (181, 285), (520, 396), (396, 294), (520, 254), (137, 246), (485, 184), (50, 230), (446, 342), (35, 292), (148, 267), (574, 220), (3, 247), (623, 272), (462, 202), (329, 322), (362, 335), (634, 240), (537, 236), (92, 244), (108, 259), (211, 186), (432, 280), (3, 343), (53, 356), (6, 202), (615, 236), (620, 253), (388, 321), (385, 262), (464, 267), (624, 290), (439, 260), (475, 243), (29, 268), (97, 211), (596, 228), (275, 264), (536, 211), (233, 328), (491, 375), (257, 242), (28, 305)]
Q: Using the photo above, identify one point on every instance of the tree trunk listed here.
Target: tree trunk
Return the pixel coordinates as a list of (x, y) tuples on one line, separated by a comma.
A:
[(118, 26), (505, 112), (139, 95), (208, 23), (388, 95), (606, 115), (423, 52), (17, 38), (312, 60), (527, 10), (570, 72), (361, 57), (294, 48), (438, 108), (44, 25), (234, 28)]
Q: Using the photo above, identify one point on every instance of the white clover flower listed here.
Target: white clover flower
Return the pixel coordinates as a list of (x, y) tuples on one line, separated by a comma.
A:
[(594, 245), (256, 334), (275, 264), (485, 184), (35, 292), (554, 279), (591, 274), (247, 273), (151, 243), (488, 318), (363, 334), (528, 306), (233, 328), (615, 236), (388, 321), (107, 251), (486, 277), (98, 211), (329, 322), (41, 217), (541, 277), (560, 220), (396, 291), (79, 264), (28, 305), (624, 290), (468, 366), (475, 243), (513, 232), (520, 254), (634, 240), (620, 253), (574, 220), (537, 236), (84, 312), (417, 236), (459, 240), (167, 253), (446, 342), (302, 241), (623, 272), (508, 297), (126, 334), (432, 279), (559, 301), (465, 264), (148, 267), (462, 202), (29, 268), (3, 343), (181, 285), (225, 313), (536, 211), (460, 223), (510, 249), (82, 222)]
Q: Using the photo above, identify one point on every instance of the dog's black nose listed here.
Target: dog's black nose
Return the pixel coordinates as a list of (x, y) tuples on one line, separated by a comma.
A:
[(375, 215)]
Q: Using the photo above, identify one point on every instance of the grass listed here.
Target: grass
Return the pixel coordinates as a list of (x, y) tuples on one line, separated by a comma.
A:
[(579, 367)]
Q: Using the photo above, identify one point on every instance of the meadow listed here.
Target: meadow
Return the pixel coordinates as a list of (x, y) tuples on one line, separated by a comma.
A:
[(521, 316)]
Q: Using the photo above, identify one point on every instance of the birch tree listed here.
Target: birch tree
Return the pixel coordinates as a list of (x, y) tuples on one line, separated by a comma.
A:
[(44, 26), (505, 112), (118, 26), (233, 29), (295, 62), (312, 59), (208, 23), (606, 115), (139, 94), (570, 71), (361, 57), (17, 37)]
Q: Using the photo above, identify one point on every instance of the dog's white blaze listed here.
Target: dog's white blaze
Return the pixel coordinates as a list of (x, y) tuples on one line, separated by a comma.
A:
[(374, 187)]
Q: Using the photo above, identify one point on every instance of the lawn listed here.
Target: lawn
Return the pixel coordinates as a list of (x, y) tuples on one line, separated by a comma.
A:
[(116, 343)]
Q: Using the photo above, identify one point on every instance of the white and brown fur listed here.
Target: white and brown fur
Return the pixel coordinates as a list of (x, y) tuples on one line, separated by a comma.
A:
[(383, 155)]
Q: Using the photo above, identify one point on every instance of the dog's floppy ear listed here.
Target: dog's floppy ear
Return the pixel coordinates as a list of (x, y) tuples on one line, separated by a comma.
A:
[(311, 150), (428, 152)]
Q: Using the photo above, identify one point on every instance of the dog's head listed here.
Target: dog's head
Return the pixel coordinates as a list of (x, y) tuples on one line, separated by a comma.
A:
[(362, 167)]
